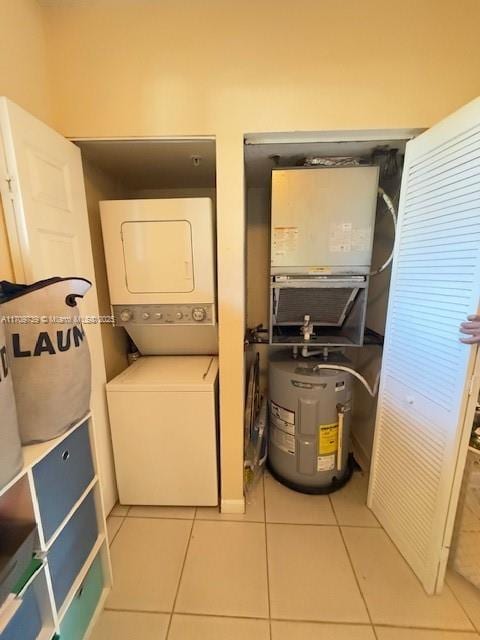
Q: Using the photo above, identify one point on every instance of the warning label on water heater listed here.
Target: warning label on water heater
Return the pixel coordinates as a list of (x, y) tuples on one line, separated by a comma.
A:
[(325, 463), (284, 441), (284, 433), (327, 438), (282, 418)]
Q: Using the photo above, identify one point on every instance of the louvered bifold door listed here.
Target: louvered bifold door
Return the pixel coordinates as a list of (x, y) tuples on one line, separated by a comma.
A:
[(425, 400)]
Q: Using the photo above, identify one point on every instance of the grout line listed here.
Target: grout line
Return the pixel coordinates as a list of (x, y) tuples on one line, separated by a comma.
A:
[(225, 518), (266, 558), (123, 518), (219, 615), (159, 613), (301, 621), (351, 565), (353, 571), (333, 510), (331, 524), (193, 614), (295, 524), (473, 632), (180, 580), (333, 623), (160, 518), (460, 603), (141, 611)]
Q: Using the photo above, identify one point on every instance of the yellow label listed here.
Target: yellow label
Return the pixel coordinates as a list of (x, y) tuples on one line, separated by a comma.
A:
[(327, 438)]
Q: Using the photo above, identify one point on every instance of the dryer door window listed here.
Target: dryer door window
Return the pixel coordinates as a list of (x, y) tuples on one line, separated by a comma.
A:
[(158, 256)]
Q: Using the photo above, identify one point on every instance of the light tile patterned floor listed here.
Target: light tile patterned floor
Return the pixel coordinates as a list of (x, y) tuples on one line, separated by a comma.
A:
[(294, 567)]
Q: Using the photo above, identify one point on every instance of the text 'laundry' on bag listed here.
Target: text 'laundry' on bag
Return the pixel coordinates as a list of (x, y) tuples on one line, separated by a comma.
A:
[(48, 353)]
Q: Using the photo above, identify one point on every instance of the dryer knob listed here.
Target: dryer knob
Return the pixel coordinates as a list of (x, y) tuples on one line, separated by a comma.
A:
[(145, 315), (126, 315), (199, 314), (179, 315)]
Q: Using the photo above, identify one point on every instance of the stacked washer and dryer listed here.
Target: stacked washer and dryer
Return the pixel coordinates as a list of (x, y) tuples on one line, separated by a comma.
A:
[(160, 257)]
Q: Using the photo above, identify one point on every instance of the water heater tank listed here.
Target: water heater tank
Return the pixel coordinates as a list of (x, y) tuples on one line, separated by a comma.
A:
[(310, 412)]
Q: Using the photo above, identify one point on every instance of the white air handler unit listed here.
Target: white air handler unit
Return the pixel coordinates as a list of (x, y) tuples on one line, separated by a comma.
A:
[(163, 408), (321, 249)]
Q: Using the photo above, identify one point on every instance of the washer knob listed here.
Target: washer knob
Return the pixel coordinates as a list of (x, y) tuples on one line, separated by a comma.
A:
[(145, 315), (179, 315), (159, 316), (199, 314), (126, 315)]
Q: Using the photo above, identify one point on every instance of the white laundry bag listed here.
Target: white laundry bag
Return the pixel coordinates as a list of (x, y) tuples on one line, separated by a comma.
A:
[(48, 353), (11, 459)]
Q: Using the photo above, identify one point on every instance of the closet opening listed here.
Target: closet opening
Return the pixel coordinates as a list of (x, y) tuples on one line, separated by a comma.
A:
[(139, 169), (296, 304)]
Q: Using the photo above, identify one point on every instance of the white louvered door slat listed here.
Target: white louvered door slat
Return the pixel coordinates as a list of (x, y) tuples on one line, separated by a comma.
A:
[(424, 410)]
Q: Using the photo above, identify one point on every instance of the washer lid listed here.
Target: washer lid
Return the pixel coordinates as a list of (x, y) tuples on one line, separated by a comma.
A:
[(168, 373)]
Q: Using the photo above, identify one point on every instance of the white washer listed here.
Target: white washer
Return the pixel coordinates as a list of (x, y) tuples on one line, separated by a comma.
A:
[(164, 432)]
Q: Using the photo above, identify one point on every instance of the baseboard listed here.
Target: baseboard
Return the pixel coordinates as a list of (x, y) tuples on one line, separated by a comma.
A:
[(233, 506)]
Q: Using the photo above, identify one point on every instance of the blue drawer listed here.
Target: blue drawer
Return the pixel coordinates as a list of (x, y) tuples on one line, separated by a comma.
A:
[(26, 624), (61, 478), (72, 547), (80, 612)]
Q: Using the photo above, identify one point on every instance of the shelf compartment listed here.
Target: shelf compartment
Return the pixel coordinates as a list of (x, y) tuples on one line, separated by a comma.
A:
[(72, 548), (33, 619), (96, 550), (17, 542), (84, 604), (62, 476)]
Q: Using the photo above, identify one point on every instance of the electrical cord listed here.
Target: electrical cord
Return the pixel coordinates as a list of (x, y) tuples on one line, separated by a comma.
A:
[(393, 213)]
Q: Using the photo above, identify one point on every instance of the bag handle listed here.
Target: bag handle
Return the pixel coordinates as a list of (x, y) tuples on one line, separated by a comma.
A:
[(71, 299)]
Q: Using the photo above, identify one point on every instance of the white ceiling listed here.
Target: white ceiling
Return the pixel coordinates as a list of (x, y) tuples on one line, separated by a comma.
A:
[(153, 164)]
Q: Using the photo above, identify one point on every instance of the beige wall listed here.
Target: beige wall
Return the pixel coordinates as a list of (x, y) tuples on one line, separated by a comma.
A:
[(225, 68), (143, 68), (23, 64), (23, 77)]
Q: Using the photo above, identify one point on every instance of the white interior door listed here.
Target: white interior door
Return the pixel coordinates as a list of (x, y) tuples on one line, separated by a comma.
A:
[(426, 397), (43, 195)]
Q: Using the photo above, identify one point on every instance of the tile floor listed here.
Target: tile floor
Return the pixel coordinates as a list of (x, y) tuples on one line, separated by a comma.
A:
[(294, 567)]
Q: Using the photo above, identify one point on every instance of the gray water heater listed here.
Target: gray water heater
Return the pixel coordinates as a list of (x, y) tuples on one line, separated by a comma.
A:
[(310, 412)]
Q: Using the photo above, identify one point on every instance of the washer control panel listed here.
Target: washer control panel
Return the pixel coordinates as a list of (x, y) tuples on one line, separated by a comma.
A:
[(164, 314)]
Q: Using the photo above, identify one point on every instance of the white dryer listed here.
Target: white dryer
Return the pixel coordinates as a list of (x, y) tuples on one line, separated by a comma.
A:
[(163, 414), (160, 259)]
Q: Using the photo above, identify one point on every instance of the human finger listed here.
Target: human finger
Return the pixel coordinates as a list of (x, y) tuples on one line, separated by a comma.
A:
[(470, 331)]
